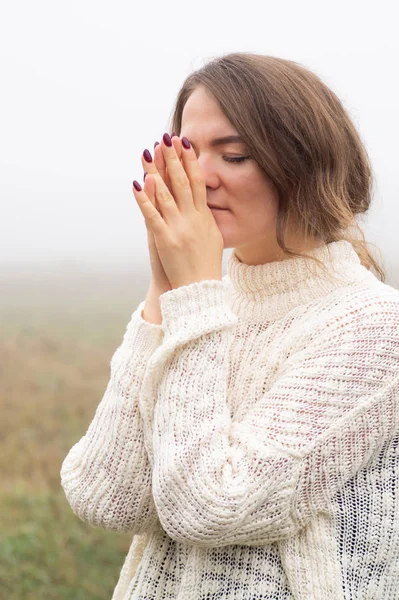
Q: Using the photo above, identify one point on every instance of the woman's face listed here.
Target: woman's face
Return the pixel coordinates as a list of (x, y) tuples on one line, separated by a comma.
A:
[(242, 189)]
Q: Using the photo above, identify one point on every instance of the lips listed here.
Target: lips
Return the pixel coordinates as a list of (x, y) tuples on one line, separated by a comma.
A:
[(216, 207)]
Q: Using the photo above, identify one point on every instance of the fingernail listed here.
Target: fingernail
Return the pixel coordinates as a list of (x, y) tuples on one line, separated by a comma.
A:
[(167, 140), (174, 133), (145, 175), (147, 155), (156, 144), (137, 186), (185, 143)]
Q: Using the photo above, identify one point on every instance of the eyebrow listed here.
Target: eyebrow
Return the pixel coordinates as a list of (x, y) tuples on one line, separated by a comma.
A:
[(221, 141)]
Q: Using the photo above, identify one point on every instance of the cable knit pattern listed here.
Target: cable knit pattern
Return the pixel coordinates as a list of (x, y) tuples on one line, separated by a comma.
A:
[(252, 439), (106, 475)]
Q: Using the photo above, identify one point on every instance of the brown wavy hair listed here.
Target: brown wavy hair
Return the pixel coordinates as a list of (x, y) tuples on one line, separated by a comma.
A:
[(298, 131)]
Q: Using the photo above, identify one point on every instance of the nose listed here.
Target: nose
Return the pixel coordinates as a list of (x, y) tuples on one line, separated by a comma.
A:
[(209, 170)]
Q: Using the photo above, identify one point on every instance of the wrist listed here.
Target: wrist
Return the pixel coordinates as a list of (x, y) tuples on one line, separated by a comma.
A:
[(158, 289)]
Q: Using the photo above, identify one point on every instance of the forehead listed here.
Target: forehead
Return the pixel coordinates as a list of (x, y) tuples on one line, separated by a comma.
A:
[(202, 116)]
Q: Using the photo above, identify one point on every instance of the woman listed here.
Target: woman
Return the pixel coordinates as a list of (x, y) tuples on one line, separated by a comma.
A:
[(248, 435)]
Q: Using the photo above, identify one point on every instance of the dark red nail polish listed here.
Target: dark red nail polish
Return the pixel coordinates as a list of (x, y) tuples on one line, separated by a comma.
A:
[(137, 186), (167, 140), (156, 144), (186, 143), (147, 155), (145, 175), (174, 133)]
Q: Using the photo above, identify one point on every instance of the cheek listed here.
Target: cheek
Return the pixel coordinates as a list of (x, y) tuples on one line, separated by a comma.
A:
[(260, 215), (256, 197), (251, 178)]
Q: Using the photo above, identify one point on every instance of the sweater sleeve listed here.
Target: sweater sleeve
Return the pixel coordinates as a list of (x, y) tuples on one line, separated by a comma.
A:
[(260, 479), (106, 475)]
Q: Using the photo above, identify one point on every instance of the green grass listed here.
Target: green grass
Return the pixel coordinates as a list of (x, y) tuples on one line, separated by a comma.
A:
[(46, 552), (56, 342)]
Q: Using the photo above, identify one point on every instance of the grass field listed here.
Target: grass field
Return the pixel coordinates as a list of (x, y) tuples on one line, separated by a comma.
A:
[(58, 334)]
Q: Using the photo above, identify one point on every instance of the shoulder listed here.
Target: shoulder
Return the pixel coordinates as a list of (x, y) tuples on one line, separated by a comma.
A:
[(369, 297), (351, 311)]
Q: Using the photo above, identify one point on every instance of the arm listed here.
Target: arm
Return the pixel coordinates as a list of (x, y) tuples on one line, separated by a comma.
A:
[(106, 476), (219, 481)]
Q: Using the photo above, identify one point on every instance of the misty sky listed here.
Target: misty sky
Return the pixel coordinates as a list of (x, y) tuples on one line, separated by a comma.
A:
[(86, 86)]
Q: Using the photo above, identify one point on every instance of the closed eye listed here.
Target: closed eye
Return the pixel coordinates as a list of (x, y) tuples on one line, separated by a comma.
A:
[(235, 159)]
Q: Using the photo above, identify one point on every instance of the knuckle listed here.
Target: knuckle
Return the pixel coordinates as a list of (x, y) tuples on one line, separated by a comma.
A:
[(198, 181), (154, 216), (185, 238), (164, 197), (160, 167), (182, 181)]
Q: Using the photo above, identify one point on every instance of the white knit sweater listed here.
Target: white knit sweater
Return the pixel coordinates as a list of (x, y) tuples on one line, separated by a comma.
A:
[(251, 442)]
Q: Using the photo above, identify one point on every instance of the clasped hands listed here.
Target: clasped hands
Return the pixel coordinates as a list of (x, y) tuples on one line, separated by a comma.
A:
[(188, 240)]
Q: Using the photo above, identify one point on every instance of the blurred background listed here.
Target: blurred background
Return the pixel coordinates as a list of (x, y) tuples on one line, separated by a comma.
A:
[(85, 87)]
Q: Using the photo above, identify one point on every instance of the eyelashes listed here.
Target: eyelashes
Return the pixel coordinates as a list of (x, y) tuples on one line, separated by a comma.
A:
[(233, 159), (236, 159)]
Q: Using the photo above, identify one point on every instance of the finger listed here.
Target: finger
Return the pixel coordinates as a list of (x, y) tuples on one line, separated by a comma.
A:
[(152, 217), (178, 176), (150, 166), (149, 189), (160, 161), (158, 155), (177, 144), (161, 166), (195, 175), (166, 201)]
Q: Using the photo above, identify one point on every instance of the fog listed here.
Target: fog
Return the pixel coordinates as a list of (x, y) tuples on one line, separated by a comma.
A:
[(86, 86)]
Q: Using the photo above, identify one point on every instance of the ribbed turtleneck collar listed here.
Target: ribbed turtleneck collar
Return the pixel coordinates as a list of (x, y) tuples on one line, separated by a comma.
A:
[(274, 288)]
